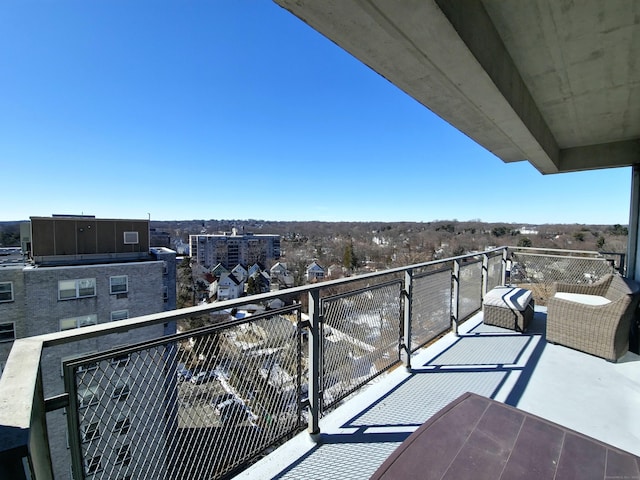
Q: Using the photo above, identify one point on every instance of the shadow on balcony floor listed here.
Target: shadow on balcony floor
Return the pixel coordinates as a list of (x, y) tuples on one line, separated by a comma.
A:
[(490, 361)]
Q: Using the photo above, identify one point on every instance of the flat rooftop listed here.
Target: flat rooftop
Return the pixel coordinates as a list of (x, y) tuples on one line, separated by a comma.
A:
[(579, 391)]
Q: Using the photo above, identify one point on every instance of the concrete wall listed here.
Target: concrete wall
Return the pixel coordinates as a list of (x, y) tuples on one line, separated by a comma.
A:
[(13, 311)]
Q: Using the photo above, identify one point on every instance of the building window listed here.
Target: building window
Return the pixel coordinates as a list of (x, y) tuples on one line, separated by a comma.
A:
[(77, 322), (94, 464), (80, 368), (119, 315), (90, 431), (121, 392), (119, 284), (165, 292), (123, 455), (6, 291), (123, 424), (81, 288), (7, 332), (120, 360), (88, 396), (131, 238)]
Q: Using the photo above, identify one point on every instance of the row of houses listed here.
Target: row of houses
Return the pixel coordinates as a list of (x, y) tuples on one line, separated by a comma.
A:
[(229, 284)]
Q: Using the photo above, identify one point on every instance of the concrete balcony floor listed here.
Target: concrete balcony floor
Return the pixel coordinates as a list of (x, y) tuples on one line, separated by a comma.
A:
[(585, 393)]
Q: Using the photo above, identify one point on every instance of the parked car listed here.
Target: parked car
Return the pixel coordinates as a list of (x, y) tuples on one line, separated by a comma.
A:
[(183, 373), (203, 377), (232, 411), (223, 397)]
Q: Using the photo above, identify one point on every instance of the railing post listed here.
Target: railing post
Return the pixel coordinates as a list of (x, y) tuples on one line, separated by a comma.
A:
[(315, 364), (455, 295), (408, 296), (485, 274), (503, 279)]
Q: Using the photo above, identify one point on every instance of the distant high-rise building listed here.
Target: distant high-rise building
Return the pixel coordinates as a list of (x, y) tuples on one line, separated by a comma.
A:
[(233, 249), (79, 271)]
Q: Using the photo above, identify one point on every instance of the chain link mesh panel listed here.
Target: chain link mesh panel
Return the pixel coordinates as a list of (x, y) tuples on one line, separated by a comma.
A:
[(470, 290), (538, 271), (431, 307), (361, 332), (192, 406)]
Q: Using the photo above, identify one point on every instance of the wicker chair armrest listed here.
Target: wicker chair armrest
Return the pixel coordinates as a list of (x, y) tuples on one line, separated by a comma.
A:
[(568, 308), (599, 288)]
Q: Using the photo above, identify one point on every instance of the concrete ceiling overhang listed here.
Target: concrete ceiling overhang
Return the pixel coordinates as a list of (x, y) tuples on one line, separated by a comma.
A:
[(556, 83)]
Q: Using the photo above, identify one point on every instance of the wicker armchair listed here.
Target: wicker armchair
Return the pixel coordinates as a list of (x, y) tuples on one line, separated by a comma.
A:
[(601, 330)]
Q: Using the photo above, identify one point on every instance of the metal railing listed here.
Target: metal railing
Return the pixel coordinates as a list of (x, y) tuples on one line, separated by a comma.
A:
[(537, 269), (172, 408), (206, 402)]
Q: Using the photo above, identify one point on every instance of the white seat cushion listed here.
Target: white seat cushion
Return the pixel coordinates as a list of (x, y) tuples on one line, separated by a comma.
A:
[(508, 297), (593, 300)]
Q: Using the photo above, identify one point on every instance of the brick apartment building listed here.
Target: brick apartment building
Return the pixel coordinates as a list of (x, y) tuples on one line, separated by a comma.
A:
[(232, 249), (76, 271)]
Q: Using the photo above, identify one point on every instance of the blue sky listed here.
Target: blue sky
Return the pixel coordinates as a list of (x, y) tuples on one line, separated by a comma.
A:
[(235, 109)]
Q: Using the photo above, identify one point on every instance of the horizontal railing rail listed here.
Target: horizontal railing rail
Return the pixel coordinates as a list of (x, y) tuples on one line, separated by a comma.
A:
[(223, 390)]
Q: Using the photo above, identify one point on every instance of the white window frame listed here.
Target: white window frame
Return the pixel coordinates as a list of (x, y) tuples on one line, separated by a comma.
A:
[(119, 315), (123, 454), (88, 396), (76, 288), (122, 390), (83, 321), (131, 238), (2, 293), (90, 431), (81, 368), (120, 360), (123, 425), (7, 327), (115, 284), (93, 464)]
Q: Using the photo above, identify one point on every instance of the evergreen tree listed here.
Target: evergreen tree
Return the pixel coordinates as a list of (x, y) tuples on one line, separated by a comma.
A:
[(525, 242), (252, 286), (349, 259)]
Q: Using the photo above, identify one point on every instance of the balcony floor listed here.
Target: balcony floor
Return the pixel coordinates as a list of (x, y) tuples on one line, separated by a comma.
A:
[(587, 394)]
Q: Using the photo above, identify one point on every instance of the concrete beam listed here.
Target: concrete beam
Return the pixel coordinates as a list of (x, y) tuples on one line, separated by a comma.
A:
[(529, 130), (608, 155), (449, 57)]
